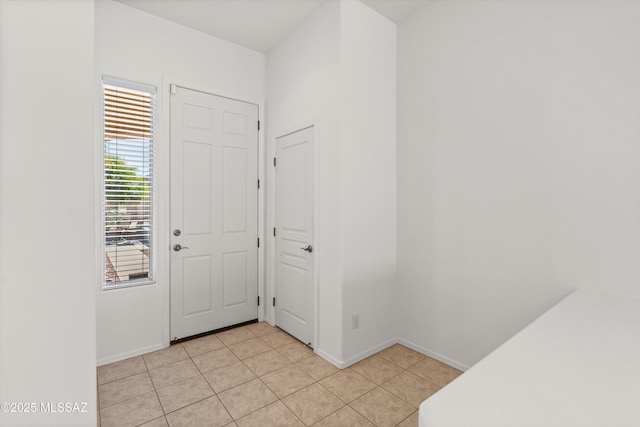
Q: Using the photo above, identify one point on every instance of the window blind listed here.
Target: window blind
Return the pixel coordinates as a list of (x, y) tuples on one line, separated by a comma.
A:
[(128, 182)]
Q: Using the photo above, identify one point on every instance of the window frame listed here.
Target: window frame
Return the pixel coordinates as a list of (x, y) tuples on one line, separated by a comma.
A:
[(152, 150)]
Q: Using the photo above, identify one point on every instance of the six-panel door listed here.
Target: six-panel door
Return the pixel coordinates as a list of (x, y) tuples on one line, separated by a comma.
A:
[(214, 212)]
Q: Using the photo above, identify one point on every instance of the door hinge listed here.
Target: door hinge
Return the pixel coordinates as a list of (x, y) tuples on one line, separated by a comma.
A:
[(258, 299), (258, 124), (173, 89), (258, 184), (274, 301), (274, 231), (274, 162), (258, 242)]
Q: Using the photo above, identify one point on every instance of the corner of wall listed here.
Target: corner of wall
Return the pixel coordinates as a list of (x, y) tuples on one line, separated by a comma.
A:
[(368, 179), (302, 89)]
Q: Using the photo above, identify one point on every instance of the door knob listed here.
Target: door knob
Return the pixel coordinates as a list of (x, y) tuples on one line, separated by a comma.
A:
[(177, 247), (308, 249)]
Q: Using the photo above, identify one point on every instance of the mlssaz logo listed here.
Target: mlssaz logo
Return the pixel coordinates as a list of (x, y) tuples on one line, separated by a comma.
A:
[(65, 407)]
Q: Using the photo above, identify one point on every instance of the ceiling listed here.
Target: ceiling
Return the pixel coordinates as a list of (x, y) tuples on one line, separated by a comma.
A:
[(397, 10), (256, 24)]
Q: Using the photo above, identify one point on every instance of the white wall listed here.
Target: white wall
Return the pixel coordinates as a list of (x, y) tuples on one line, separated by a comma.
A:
[(303, 88), (518, 165), (368, 178), (47, 270), (137, 46), (337, 71)]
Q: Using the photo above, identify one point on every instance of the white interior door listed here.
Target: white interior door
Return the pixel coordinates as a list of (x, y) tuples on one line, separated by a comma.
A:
[(294, 234), (214, 212)]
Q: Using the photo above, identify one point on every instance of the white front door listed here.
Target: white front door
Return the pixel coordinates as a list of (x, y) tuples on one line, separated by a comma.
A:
[(294, 234), (214, 212)]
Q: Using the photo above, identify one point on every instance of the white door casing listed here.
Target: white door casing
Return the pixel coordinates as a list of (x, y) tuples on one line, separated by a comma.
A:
[(214, 205), (294, 266)]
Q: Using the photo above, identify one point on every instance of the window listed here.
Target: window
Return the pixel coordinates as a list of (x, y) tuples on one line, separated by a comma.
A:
[(128, 176)]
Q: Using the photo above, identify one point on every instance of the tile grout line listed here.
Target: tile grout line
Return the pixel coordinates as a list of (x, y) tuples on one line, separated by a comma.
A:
[(127, 376), (363, 415), (254, 373), (210, 386), (290, 362), (164, 415), (409, 416), (278, 398), (155, 391), (400, 397), (292, 411), (260, 379), (381, 387), (200, 373), (132, 397)]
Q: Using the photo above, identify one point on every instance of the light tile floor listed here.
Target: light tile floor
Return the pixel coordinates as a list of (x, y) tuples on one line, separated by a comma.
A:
[(258, 375)]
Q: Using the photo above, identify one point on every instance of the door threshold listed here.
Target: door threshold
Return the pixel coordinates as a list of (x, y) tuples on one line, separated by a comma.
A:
[(215, 331)]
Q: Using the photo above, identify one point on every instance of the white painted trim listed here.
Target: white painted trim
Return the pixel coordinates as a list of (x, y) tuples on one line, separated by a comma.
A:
[(368, 353), (163, 224), (341, 364), (261, 215), (335, 362), (433, 354), (98, 159), (167, 81), (271, 193), (129, 84), (130, 354), (316, 236)]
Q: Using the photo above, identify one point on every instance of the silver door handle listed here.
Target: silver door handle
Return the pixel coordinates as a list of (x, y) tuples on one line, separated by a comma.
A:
[(178, 247), (308, 249)]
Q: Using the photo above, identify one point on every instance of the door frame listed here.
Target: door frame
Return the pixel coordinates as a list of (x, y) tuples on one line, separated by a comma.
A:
[(163, 204), (270, 314)]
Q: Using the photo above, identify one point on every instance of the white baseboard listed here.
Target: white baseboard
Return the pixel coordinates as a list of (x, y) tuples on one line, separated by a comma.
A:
[(369, 352), (129, 354), (433, 354), (341, 364), (326, 356)]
